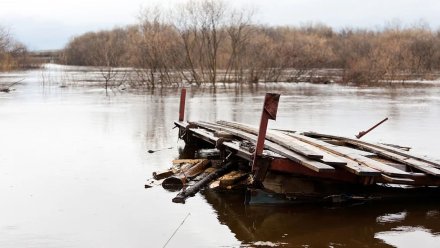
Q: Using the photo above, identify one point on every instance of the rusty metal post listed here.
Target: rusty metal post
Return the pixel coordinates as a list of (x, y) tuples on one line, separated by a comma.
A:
[(362, 133), (182, 105), (270, 108)]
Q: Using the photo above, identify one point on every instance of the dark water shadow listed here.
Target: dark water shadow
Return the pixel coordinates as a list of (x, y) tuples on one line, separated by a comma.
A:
[(322, 226)]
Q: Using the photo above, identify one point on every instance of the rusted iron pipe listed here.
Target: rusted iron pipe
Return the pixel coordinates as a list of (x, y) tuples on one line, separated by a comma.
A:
[(182, 105), (270, 108), (362, 133)]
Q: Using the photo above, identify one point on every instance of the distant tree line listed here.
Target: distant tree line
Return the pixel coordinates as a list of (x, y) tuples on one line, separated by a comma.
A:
[(209, 42), (13, 54)]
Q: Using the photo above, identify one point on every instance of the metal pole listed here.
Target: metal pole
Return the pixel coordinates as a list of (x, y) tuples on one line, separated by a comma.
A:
[(182, 105), (362, 133), (270, 108)]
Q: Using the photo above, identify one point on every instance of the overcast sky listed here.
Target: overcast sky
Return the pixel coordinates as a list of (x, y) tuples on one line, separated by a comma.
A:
[(49, 24)]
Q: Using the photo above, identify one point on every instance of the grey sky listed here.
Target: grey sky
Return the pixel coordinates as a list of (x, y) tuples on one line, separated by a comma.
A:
[(49, 24)]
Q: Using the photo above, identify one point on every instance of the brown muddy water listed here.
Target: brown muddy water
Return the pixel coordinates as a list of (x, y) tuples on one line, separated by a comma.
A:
[(73, 164)]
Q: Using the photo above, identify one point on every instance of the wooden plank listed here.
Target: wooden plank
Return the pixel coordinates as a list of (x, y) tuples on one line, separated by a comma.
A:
[(401, 159), (204, 135), (186, 161), (182, 124), (398, 157), (285, 140), (232, 178), (384, 168), (288, 143), (300, 159), (388, 179), (240, 152), (432, 162), (349, 150), (350, 164)]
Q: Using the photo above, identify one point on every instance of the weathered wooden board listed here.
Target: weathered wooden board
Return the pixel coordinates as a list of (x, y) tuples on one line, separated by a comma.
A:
[(232, 177), (390, 153), (379, 146), (345, 149), (350, 164), (287, 142), (384, 168), (388, 179), (420, 165), (300, 159)]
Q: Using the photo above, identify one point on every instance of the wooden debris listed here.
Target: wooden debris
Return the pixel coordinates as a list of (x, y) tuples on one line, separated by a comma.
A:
[(162, 175), (186, 161), (351, 164), (327, 157), (307, 162), (177, 181), (380, 146), (191, 191), (297, 147), (221, 134), (232, 178)]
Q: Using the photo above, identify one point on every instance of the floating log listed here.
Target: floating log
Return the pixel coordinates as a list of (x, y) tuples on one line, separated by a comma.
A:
[(232, 180), (179, 166), (162, 175), (7, 89), (192, 190)]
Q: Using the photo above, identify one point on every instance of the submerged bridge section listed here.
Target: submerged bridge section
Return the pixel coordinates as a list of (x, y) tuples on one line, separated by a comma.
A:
[(316, 155), (311, 155)]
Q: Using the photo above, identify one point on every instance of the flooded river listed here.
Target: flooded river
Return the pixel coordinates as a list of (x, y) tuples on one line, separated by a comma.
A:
[(73, 164)]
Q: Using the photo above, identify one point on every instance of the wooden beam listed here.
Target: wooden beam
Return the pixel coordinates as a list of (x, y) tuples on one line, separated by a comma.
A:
[(351, 164), (301, 159), (420, 165), (288, 143), (384, 147)]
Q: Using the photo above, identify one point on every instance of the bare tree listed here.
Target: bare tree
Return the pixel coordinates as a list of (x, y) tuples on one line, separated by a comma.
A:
[(239, 33), (109, 51), (158, 47), (201, 27)]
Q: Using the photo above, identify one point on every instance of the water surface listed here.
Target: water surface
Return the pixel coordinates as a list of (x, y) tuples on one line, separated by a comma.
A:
[(73, 164)]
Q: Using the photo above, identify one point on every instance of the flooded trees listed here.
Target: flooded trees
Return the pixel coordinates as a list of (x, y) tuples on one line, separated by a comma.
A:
[(105, 50), (13, 54), (206, 42), (159, 50), (201, 25), (109, 53)]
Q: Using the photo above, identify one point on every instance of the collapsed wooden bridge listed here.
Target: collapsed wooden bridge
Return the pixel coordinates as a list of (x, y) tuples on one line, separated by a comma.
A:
[(318, 155), (309, 155)]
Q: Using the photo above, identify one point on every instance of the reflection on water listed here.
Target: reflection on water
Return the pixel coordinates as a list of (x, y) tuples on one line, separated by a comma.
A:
[(73, 163), (378, 225)]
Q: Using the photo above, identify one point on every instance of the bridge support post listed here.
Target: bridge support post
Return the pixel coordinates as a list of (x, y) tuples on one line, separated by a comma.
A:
[(182, 105), (270, 109)]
